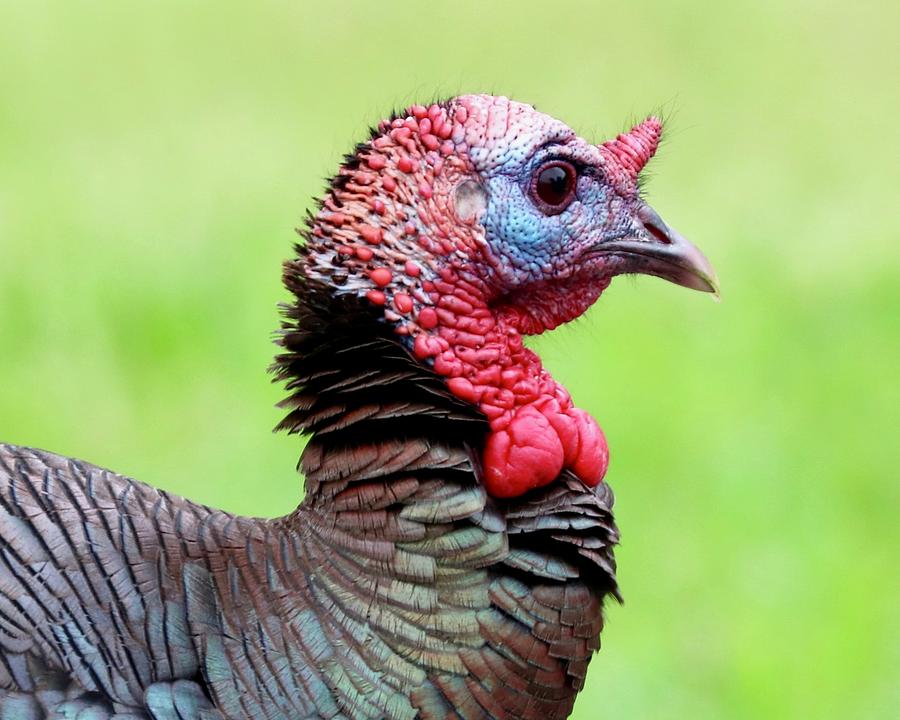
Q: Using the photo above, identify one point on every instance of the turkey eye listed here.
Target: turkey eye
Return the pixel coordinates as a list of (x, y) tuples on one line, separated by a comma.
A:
[(553, 186)]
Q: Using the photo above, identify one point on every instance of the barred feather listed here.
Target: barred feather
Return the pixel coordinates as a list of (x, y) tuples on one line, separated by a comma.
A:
[(398, 589)]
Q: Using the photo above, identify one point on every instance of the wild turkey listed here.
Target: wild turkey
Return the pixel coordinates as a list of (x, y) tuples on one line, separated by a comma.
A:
[(454, 548)]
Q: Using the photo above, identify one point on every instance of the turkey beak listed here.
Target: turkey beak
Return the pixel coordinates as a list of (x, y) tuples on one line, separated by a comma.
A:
[(662, 251)]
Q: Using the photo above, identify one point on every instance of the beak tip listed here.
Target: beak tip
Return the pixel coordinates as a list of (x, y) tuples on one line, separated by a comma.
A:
[(711, 281)]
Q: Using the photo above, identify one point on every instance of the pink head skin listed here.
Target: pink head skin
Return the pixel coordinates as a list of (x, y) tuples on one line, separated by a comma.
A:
[(476, 221)]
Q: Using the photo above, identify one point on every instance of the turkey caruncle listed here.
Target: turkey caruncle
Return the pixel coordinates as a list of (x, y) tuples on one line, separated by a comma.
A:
[(454, 547)]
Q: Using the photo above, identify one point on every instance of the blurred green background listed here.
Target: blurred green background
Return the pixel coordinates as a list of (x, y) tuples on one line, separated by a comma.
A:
[(154, 158)]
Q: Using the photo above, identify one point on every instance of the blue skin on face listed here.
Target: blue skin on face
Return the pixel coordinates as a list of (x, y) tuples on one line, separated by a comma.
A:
[(530, 246)]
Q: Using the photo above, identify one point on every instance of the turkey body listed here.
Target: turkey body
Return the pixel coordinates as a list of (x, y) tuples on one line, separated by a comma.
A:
[(454, 547), (397, 589)]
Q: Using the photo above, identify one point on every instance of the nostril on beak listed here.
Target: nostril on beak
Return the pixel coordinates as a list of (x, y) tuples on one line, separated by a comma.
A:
[(658, 233), (654, 225)]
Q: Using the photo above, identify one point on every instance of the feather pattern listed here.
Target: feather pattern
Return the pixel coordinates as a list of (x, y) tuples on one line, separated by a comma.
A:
[(397, 589)]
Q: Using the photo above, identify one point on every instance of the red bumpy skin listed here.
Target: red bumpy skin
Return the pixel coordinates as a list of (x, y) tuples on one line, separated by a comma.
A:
[(537, 443), (397, 229), (536, 431)]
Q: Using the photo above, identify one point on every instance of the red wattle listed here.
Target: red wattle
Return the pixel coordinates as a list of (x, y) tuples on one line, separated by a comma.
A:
[(592, 458), (539, 441), (566, 427), (526, 455)]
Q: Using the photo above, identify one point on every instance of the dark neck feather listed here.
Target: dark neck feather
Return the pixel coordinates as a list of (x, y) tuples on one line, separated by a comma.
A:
[(342, 362)]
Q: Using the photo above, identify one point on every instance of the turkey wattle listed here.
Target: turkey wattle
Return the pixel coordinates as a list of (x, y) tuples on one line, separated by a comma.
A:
[(454, 547)]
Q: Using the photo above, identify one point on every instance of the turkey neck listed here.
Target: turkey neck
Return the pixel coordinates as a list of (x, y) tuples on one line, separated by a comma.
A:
[(412, 579)]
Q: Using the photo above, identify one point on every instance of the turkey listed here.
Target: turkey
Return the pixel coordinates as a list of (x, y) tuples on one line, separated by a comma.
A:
[(454, 547)]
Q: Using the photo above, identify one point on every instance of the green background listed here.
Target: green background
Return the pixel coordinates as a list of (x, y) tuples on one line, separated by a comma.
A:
[(155, 157)]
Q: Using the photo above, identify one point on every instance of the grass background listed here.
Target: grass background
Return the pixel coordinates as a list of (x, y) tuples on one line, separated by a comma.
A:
[(154, 158)]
